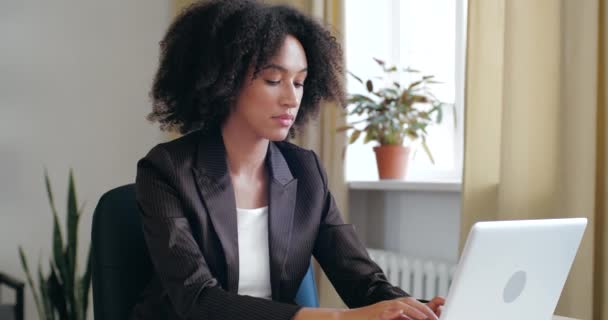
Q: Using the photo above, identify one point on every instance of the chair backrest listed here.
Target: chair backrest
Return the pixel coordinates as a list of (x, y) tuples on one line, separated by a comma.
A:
[(121, 263)]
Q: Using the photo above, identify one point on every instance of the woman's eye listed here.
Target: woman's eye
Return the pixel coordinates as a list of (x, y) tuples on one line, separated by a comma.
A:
[(273, 83), (298, 84)]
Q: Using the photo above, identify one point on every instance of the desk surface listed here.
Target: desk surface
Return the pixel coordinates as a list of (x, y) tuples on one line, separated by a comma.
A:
[(562, 318)]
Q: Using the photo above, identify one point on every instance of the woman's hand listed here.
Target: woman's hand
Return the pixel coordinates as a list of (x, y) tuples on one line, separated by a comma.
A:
[(393, 314), (434, 306), (398, 309)]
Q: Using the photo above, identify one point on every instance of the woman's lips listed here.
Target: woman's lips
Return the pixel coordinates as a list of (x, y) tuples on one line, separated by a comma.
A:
[(284, 120)]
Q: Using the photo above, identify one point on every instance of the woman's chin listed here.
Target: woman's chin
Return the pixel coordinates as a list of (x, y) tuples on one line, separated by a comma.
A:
[(277, 135)]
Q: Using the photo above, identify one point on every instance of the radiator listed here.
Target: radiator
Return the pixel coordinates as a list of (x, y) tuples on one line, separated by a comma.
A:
[(423, 279)]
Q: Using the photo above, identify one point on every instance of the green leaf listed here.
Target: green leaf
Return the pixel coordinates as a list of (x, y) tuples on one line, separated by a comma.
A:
[(359, 98), (57, 236), (431, 96), (391, 69), (57, 294), (412, 134), (377, 119), (354, 76), (433, 82), (28, 275), (420, 98), (414, 84), (427, 150), (354, 136), (49, 313), (404, 96), (77, 302), (369, 85), (380, 62), (85, 284), (72, 231), (369, 136), (60, 260), (392, 92), (439, 115), (49, 192), (410, 70)]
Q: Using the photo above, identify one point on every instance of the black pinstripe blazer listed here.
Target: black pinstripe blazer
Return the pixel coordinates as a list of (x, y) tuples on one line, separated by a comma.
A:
[(189, 218)]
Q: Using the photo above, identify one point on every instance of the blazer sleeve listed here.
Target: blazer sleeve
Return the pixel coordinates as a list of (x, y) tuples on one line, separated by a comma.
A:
[(178, 260), (357, 279)]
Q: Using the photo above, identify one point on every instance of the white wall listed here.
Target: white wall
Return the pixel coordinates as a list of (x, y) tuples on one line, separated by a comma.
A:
[(421, 224), (74, 79)]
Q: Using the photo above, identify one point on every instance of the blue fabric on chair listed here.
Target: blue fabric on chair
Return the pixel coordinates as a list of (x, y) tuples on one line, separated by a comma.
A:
[(307, 294), (121, 264)]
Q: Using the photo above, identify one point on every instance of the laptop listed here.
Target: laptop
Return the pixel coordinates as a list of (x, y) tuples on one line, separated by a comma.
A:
[(513, 269)]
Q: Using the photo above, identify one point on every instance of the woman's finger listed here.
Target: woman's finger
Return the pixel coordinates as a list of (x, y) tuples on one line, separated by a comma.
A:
[(435, 303), (394, 314), (420, 307), (418, 313)]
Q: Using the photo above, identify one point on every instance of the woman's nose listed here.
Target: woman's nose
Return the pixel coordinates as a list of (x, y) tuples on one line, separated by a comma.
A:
[(290, 97)]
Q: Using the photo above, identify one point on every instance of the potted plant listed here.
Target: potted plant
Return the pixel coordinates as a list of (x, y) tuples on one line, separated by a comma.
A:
[(62, 293), (394, 114)]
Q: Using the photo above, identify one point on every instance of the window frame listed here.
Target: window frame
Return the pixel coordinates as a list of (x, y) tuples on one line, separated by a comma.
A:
[(461, 8)]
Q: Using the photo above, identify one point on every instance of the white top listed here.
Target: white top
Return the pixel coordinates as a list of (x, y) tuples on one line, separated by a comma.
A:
[(254, 257)]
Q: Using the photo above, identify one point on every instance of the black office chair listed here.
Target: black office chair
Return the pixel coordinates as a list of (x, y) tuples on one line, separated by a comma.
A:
[(12, 311), (121, 263)]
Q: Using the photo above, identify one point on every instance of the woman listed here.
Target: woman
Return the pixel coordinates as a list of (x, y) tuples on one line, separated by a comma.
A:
[(231, 212)]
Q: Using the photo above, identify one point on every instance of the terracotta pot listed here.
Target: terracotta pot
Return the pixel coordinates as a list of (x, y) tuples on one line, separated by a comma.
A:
[(392, 161)]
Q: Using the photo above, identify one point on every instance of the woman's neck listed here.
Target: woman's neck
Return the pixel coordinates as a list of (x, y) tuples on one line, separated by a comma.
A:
[(245, 153)]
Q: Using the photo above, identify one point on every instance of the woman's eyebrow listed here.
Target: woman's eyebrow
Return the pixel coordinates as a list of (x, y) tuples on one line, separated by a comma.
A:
[(281, 68)]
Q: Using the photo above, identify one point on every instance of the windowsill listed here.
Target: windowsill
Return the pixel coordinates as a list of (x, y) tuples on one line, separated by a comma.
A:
[(401, 185)]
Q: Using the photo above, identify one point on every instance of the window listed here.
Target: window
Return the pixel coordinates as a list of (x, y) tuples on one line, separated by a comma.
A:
[(427, 35)]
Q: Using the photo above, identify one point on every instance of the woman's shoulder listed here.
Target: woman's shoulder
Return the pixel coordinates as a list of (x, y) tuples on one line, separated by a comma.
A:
[(177, 150)]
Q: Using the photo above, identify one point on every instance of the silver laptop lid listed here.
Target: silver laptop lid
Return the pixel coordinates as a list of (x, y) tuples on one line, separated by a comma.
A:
[(513, 269)]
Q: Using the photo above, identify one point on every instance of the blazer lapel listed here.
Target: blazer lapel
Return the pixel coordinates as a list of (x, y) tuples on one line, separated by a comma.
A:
[(282, 201), (213, 180)]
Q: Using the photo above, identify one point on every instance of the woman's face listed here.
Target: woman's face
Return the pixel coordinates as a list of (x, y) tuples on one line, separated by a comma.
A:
[(268, 104)]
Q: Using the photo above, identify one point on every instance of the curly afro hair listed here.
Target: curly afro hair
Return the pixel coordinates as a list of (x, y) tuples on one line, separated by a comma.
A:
[(211, 45)]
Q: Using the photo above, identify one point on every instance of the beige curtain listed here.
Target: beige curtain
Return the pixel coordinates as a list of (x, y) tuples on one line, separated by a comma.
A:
[(178, 5), (321, 135), (535, 127)]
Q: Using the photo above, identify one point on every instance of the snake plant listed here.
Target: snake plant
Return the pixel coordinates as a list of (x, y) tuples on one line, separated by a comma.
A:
[(61, 294)]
